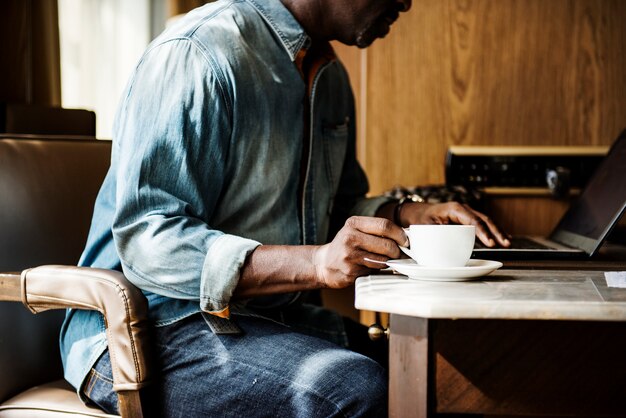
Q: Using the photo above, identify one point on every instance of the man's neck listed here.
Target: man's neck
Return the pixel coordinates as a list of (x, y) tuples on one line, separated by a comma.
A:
[(309, 14)]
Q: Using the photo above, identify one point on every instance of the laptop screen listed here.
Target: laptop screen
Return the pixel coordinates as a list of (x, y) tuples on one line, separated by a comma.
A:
[(600, 205)]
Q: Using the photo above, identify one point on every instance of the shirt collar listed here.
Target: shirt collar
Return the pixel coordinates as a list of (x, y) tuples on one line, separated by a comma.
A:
[(284, 25)]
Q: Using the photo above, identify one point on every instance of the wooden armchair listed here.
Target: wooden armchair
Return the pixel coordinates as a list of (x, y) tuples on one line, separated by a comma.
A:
[(47, 191)]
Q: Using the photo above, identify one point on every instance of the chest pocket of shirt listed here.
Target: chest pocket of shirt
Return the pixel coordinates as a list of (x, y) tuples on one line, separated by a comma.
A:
[(335, 138)]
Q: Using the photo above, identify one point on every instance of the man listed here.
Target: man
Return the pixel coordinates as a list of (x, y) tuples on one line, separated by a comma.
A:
[(233, 164)]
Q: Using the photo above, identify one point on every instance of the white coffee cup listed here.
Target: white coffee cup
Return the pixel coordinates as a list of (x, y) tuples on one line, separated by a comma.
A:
[(440, 245)]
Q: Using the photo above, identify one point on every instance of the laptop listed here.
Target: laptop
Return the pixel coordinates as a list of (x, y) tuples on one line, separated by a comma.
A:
[(587, 222)]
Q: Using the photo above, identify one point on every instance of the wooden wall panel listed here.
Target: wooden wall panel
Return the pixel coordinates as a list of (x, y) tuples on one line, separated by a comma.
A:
[(526, 215), (488, 72)]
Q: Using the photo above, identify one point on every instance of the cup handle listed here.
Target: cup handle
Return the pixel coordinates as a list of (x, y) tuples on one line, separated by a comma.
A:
[(405, 251)]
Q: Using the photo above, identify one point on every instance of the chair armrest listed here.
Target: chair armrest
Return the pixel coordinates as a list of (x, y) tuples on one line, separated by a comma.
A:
[(123, 305), (10, 287)]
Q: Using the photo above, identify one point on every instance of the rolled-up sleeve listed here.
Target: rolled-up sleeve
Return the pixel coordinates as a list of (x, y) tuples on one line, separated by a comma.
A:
[(172, 139), (221, 270)]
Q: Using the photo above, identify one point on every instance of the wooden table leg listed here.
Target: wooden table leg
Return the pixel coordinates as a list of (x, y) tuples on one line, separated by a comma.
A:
[(408, 367)]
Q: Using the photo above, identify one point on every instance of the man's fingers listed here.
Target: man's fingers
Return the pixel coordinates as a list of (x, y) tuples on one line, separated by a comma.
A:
[(461, 215), (374, 261), (467, 216), (379, 227), (378, 247), (493, 229)]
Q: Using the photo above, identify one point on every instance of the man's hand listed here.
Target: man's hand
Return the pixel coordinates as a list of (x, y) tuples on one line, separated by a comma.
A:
[(340, 262), (457, 213)]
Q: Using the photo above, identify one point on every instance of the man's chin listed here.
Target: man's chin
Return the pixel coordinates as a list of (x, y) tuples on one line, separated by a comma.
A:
[(363, 43), (366, 38)]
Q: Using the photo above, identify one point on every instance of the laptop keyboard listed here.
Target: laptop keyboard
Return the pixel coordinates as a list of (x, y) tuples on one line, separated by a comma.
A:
[(520, 243)]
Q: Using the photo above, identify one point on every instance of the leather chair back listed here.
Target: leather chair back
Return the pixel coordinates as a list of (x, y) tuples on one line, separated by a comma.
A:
[(47, 192)]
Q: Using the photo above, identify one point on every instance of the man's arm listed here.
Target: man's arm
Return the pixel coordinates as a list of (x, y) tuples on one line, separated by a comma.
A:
[(172, 138), (277, 269), (445, 213)]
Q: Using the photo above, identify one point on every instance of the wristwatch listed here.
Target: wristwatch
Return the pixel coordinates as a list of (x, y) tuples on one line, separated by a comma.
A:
[(412, 197)]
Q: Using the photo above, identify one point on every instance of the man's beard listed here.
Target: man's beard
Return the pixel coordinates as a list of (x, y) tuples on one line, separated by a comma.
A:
[(368, 35), (377, 29)]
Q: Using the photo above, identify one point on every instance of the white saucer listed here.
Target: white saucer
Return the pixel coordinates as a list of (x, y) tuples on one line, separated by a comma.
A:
[(472, 270)]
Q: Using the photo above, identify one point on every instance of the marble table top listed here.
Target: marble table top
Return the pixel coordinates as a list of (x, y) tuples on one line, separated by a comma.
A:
[(504, 294)]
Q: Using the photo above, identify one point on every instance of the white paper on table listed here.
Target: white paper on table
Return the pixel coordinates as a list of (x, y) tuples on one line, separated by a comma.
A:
[(615, 278)]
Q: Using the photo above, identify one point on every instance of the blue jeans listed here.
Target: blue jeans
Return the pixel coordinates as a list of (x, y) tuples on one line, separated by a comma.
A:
[(268, 371)]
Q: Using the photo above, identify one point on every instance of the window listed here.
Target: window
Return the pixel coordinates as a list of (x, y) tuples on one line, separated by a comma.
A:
[(101, 42)]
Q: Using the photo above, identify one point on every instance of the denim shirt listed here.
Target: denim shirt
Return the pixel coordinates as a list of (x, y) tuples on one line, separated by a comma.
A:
[(206, 165)]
